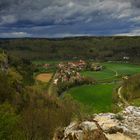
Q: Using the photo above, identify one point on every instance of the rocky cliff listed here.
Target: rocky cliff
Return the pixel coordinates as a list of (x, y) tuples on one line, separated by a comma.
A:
[(106, 126), (3, 62)]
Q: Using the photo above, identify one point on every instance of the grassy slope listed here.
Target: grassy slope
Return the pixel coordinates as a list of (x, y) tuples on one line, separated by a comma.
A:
[(123, 68), (136, 102), (41, 62), (100, 75), (98, 97), (110, 71)]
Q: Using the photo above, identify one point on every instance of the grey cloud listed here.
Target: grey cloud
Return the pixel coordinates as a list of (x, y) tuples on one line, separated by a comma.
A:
[(135, 3), (48, 10), (50, 13)]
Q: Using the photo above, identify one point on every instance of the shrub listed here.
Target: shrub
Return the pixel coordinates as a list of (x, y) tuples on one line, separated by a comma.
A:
[(45, 114), (8, 122), (119, 117)]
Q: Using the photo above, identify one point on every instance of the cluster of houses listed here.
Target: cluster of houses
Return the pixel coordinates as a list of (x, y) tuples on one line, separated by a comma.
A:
[(67, 76), (77, 65), (46, 65), (80, 65), (69, 72)]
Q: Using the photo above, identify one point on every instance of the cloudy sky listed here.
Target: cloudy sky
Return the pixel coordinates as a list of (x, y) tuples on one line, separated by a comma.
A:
[(62, 18)]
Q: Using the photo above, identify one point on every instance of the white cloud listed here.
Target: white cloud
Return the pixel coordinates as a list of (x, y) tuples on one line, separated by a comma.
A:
[(136, 19), (135, 32), (14, 34), (57, 35), (71, 4)]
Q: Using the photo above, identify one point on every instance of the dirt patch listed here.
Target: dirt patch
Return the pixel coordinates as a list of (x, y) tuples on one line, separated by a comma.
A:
[(44, 77)]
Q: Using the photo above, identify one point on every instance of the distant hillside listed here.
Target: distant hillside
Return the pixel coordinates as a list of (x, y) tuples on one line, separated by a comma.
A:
[(98, 48)]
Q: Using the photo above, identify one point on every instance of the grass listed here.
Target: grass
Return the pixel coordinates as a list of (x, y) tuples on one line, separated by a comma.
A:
[(99, 75), (41, 62), (98, 98), (136, 102), (123, 68), (110, 71)]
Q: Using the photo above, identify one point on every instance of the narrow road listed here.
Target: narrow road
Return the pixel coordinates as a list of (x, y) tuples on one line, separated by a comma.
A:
[(116, 73), (121, 97), (51, 86)]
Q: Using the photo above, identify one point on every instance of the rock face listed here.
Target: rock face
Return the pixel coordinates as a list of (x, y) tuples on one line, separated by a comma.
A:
[(131, 122), (126, 122), (3, 62), (105, 126), (86, 130)]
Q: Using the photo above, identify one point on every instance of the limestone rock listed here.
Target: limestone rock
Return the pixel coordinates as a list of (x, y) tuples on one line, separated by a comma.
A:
[(127, 123), (87, 130), (105, 126)]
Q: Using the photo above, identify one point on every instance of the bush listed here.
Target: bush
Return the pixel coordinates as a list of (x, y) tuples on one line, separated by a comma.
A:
[(8, 122), (131, 88), (45, 114), (119, 117)]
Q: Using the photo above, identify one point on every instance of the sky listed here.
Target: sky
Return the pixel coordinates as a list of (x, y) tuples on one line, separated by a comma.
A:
[(65, 18)]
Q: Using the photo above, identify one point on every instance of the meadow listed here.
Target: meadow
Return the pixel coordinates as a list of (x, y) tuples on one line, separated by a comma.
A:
[(41, 62), (112, 71), (99, 75), (123, 68), (96, 98)]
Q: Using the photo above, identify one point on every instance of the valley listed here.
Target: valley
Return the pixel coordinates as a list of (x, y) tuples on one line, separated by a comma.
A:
[(48, 85), (98, 97), (69, 69)]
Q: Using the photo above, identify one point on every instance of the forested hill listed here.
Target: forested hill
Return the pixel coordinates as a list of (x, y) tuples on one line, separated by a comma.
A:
[(98, 48)]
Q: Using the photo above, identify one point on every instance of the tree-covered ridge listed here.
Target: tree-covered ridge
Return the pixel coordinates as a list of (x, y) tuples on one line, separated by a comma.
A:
[(13, 79), (97, 48)]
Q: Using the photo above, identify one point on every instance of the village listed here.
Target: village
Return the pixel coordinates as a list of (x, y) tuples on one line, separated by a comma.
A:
[(69, 72)]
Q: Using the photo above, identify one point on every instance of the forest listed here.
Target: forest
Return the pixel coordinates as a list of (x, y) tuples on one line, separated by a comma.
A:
[(95, 48)]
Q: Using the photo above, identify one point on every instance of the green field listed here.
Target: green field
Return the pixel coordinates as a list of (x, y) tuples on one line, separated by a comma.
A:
[(41, 62), (123, 68), (99, 75), (111, 70), (99, 97), (136, 102), (96, 97)]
